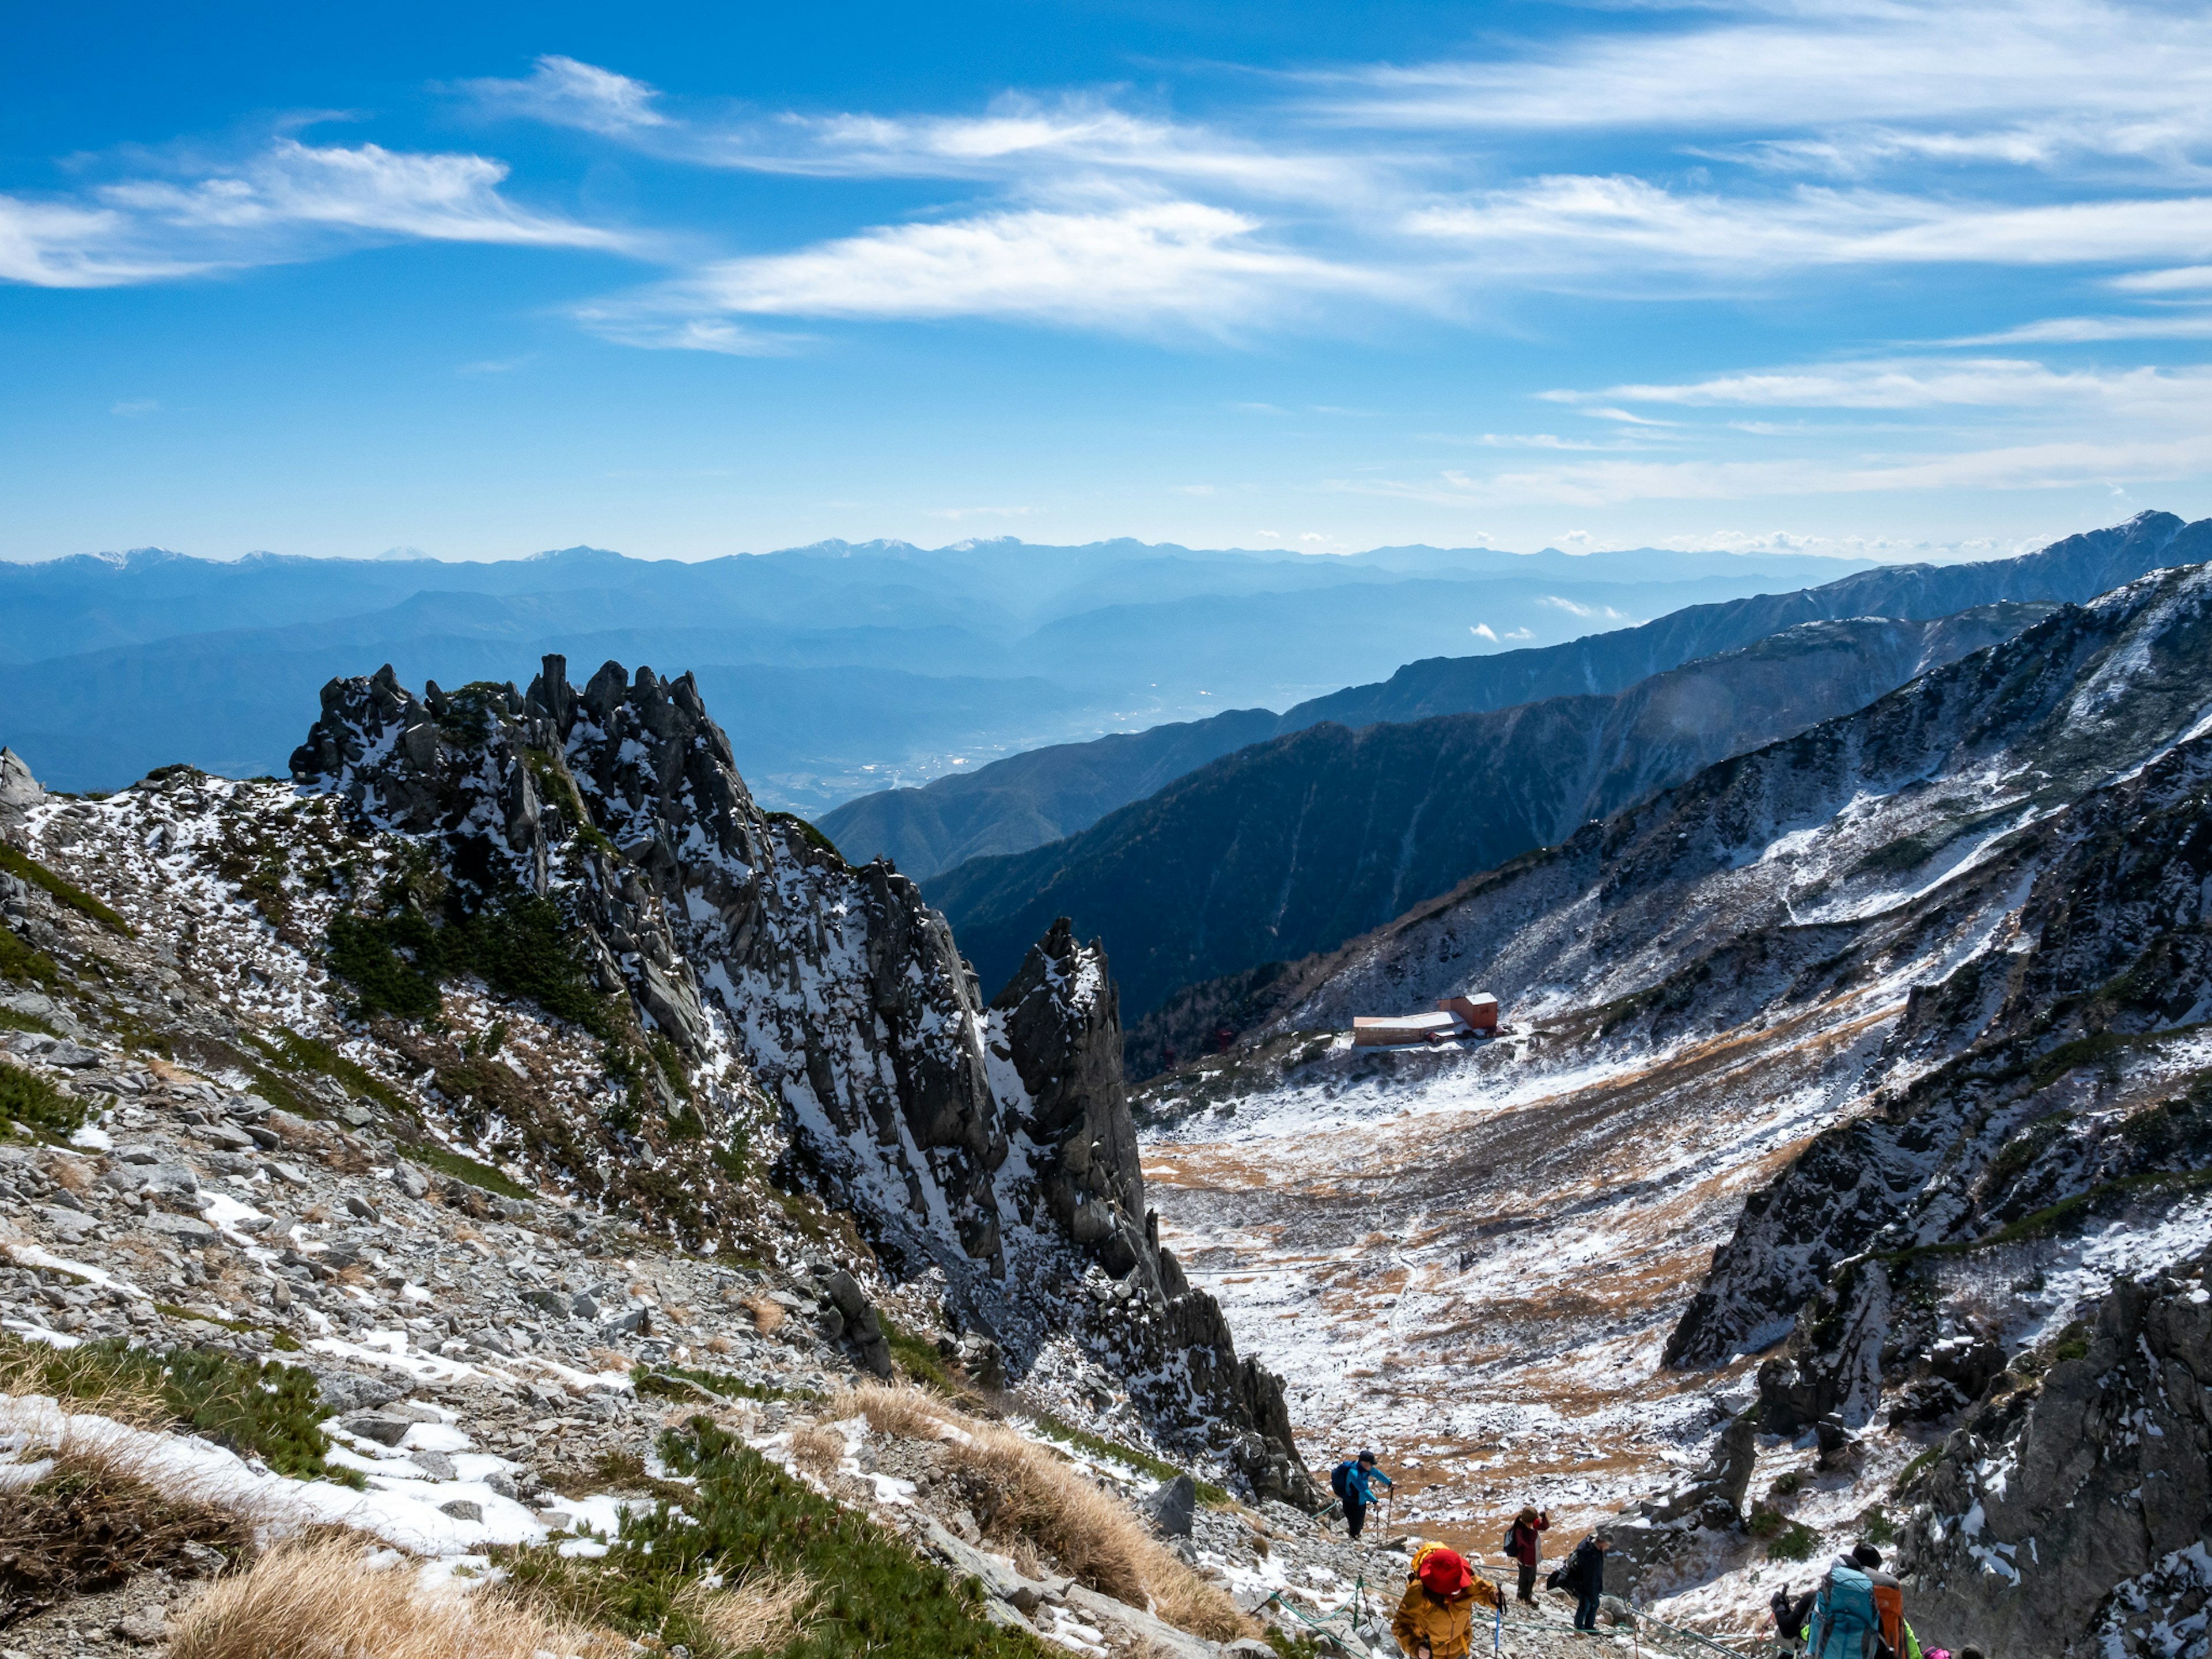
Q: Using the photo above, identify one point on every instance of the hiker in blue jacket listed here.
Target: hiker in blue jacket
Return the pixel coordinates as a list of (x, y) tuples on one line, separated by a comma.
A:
[(1353, 1482), (1845, 1623)]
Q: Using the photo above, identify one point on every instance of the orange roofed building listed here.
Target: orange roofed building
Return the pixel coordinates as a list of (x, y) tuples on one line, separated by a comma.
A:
[(1455, 1017)]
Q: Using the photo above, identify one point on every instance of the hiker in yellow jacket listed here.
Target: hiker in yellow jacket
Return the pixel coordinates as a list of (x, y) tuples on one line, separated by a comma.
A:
[(1435, 1620)]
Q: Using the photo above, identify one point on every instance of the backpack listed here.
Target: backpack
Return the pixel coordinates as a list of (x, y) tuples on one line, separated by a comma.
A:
[(1340, 1479), (1889, 1613), (1845, 1623), (1511, 1547)]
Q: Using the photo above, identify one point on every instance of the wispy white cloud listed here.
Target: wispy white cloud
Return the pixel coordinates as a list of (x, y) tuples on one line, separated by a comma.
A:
[(290, 185), (289, 200), (61, 244), (563, 92), (1019, 138), (1921, 383), (1139, 268), (2015, 82), (1585, 222), (2157, 326), (2185, 279)]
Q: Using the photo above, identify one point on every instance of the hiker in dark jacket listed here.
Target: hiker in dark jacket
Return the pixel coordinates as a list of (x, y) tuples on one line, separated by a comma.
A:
[(1354, 1483), (1583, 1577), (1522, 1544), (1790, 1614)]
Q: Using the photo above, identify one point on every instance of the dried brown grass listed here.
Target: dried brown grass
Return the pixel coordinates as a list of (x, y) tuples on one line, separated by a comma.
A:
[(73, 1173), (720, 1345), (1041, 1501), (320, 1598), (767, 1315), (99, 1516), (767, 1609), (817, 1450), (350, 1156)]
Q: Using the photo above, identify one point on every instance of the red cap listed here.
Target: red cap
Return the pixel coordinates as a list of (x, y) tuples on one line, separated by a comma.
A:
[(1445, 1572)]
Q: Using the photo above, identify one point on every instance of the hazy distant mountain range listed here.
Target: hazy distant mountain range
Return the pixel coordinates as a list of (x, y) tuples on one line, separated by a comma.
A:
[(838, 667), (1047, 794), (1294, 844)]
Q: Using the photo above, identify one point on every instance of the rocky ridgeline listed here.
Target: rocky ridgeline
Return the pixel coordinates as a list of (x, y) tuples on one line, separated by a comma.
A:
[(989, 1143)]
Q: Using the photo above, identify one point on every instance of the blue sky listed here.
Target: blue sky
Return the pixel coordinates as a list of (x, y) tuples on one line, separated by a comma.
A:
[(1856, 278)]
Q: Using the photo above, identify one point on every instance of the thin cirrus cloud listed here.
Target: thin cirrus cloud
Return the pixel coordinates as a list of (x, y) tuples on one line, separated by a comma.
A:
[(290, 201), (1138, 267), (2055, 464), (2151, 423), (1566, 221), (1018, 138), (2018, 83), (1924, 384)]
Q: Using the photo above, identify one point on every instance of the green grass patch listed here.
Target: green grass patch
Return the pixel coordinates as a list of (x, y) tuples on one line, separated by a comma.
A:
[(876, 1596), (283, 1341), (682, 1382), (302, 1053), (1795, 1542), (24, 867), (1211, 1496), (467, 1169), (12, 1021), (29, 1098), (1912, 1471), (1877, 1528), (269, 1410), (1764, 1522), (19, 960), (918, 1358), (519, 945), (2067, 1213)]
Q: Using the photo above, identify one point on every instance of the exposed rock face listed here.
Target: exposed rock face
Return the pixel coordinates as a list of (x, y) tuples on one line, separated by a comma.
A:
[(2070, 1517), (1062, 1029), (2056, 1086), (1658, 1531), (19, 792), (992, 1144)]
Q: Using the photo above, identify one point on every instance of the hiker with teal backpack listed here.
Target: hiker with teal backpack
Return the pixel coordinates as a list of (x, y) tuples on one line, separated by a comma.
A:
[(1845, 1623), (1352, 1481)]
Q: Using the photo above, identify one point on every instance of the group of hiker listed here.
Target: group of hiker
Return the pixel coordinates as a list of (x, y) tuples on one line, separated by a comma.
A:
[(1436, 1617), (1856, 1611)]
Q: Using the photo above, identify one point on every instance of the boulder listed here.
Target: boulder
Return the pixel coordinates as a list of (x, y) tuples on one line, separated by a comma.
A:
[(1174, 1507), (19, 793), (862, 1325), (344, 1391), (187, 1229), (385, 1431)]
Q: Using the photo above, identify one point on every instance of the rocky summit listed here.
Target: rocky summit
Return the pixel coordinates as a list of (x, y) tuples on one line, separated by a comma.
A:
[(507, 1086)]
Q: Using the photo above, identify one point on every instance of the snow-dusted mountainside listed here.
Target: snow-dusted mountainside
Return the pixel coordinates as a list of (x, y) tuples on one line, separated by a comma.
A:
[(553, 927), (1884, 1043)]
